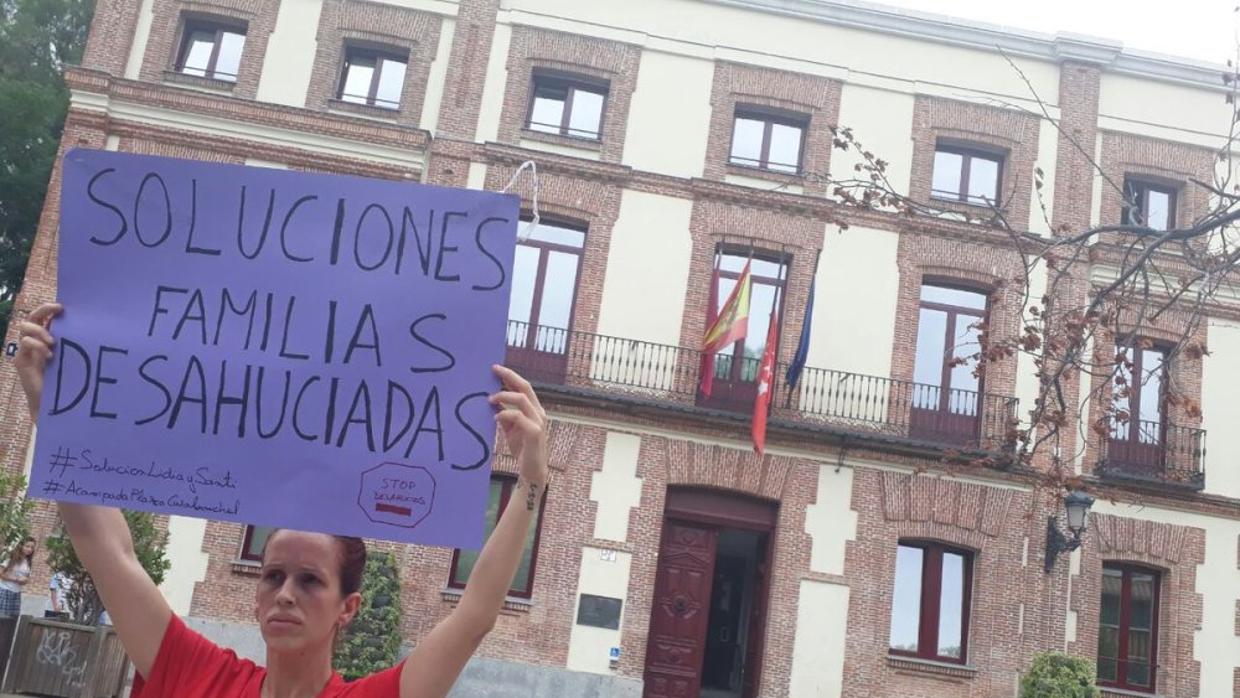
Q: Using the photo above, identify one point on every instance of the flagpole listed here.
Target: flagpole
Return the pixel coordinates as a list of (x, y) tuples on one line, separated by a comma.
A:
[(812, 289), (706, 365), (766, 374), (738, 358), (780, 291)]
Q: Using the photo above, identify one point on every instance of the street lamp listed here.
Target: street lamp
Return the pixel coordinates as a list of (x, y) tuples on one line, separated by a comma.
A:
[(1077, 504)]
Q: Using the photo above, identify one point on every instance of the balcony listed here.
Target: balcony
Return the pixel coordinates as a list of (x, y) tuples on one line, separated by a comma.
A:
[(834, 401), (1155, 452)]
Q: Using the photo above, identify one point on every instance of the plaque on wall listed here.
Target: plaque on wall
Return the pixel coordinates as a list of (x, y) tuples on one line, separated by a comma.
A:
[(599, 611)]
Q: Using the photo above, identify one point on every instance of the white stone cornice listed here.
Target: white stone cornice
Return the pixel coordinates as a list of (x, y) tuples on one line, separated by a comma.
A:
[(1086, 49), (89, 101), (980, 35), (408, 158)]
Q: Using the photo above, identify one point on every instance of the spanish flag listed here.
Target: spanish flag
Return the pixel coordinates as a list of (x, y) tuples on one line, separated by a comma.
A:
[(729, 326)]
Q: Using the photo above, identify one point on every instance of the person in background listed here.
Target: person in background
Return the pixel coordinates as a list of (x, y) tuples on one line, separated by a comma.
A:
[(57, 605), (14, 576)]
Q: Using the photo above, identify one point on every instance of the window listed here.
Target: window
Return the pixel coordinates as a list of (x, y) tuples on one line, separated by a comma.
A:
[(211, 50), (373, 77), (930, 604), (254, 542), (567, 106), (945, 370), (1138, 423), (1128, 628), (463, 560), (768, 141), (544, 287), (740, 362), (968, 175), (1149, 204), (1138, 394)]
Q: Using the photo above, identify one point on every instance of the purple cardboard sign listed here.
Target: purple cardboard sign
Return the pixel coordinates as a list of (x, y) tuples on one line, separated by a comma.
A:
[(276, 348)]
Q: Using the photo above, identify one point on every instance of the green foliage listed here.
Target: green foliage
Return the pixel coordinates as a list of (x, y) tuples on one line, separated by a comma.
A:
[(37, 39), (371, 643), (14, 511), (149, 543), (1057, 675)]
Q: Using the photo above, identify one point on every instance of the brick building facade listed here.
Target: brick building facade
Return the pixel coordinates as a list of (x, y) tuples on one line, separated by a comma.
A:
[(676, 137)]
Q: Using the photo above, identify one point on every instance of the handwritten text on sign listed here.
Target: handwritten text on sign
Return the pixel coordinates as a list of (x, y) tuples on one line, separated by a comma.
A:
[(277, 348)]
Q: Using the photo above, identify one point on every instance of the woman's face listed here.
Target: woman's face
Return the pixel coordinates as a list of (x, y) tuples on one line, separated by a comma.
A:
[(28, 548), (299, 605)]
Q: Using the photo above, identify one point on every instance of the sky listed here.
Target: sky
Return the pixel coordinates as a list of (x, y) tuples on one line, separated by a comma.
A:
[(1200, 29)]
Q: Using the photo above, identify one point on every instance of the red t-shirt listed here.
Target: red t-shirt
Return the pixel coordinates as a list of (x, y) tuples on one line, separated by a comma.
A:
[(191, 666)]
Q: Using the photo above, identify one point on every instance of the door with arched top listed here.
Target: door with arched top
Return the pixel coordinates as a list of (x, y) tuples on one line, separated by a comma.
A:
[(708, 614)]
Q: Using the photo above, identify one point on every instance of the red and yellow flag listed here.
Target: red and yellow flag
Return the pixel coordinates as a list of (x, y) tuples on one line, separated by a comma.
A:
[(732, 324)]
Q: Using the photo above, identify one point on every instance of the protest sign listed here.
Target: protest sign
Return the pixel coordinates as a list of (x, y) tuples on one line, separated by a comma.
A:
[(277, 348)]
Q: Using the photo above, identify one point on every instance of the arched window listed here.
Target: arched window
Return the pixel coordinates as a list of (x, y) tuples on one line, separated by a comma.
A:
[(544, 291), (736, 368), (1139, 424), (945, 393)]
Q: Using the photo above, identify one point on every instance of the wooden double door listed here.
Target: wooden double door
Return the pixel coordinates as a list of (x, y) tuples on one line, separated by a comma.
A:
[(698, 621)]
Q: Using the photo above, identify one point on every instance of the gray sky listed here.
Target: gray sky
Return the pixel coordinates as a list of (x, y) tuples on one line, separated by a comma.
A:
[(1200, 29)]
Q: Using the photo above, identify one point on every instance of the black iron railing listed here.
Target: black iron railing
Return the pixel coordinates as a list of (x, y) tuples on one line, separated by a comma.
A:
[(1156, 452), (851, 401), (961, 418)]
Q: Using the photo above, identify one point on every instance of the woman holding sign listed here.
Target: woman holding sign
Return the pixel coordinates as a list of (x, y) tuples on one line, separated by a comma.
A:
[(310, 583)]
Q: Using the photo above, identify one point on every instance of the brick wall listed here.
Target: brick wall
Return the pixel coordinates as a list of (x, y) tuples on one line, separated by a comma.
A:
[(1175, 551), (1075, 169), (1079, 85), (813, 97), (167, 28), (579, 200), (771, 233), (1009, 131), (467, 69), (1124, 154), (534, 49), (993, 523), (993, 268), (111, 34), (669, 462), (404, 31), (1174, 329)]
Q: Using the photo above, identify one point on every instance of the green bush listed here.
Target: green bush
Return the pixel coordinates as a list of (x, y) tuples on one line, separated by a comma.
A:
[(15, 511), (371, 643), (1057, 675), (149, 543)]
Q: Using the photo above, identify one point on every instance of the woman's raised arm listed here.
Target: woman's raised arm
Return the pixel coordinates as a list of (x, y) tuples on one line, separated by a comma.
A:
[(100, 535), (438, 659)]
